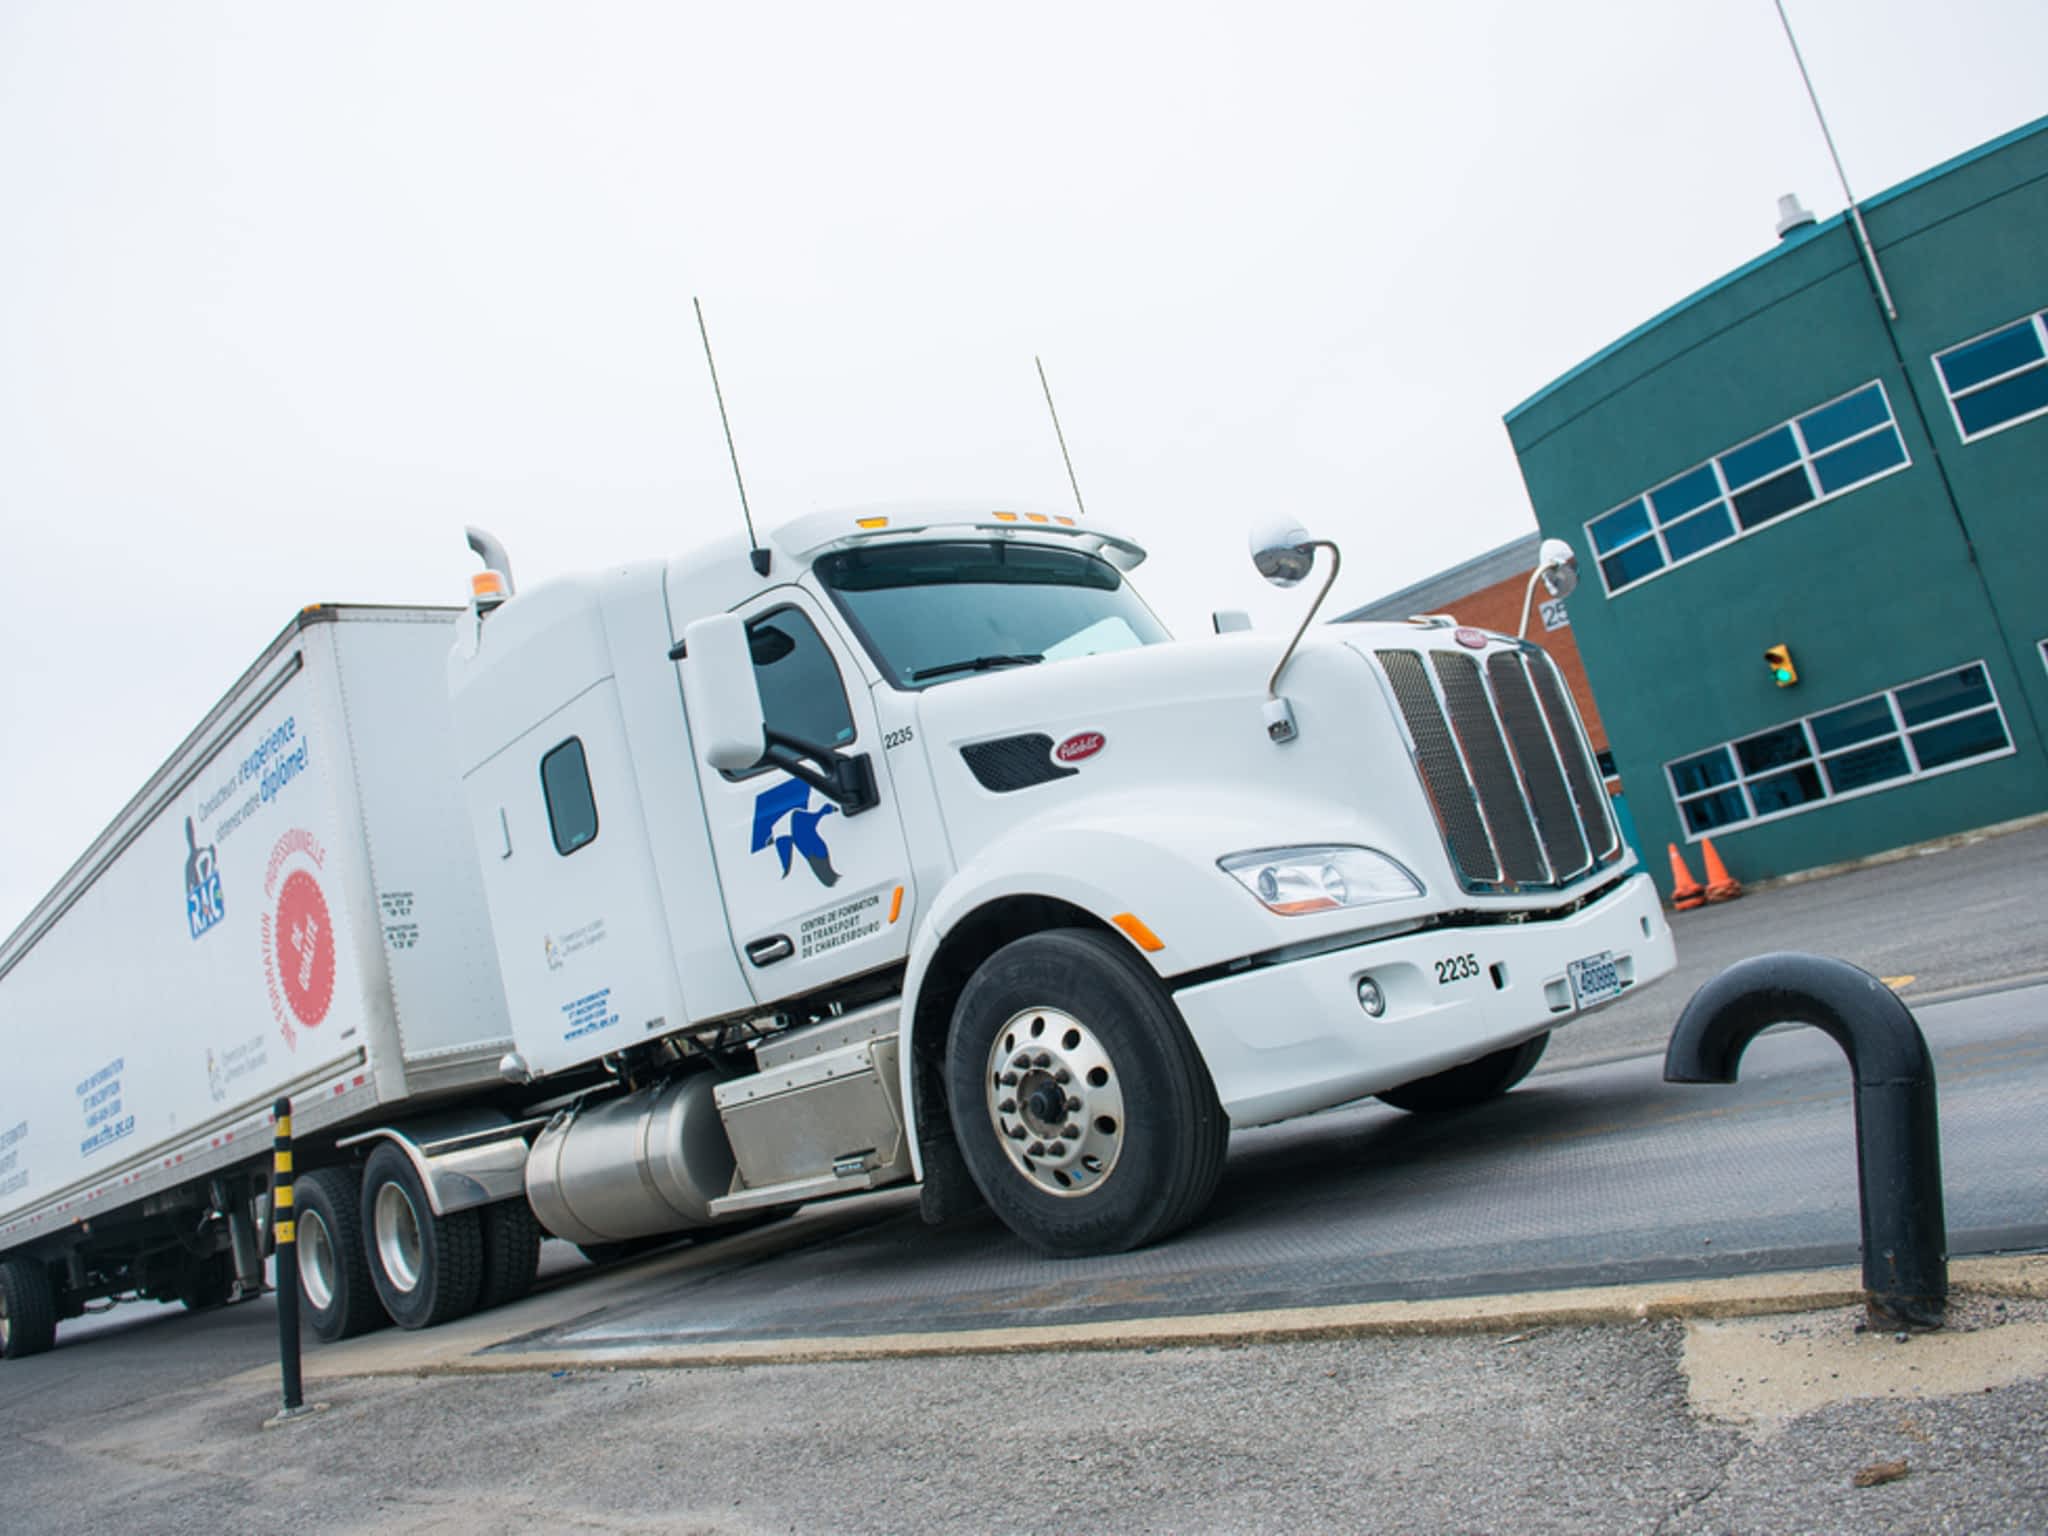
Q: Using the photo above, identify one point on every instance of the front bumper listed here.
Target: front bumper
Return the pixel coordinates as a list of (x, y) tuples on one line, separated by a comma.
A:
[(1292, 1038)]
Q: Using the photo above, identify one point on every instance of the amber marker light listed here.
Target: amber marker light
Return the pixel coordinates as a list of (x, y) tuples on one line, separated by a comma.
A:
[(871, 522), (1129, 925), (896, 904)]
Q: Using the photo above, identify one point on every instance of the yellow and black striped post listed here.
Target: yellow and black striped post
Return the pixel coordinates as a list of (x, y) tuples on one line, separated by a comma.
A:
[(283, 1220)]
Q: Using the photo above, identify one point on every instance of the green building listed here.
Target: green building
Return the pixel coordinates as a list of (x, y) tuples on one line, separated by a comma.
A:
[(1776, 462)]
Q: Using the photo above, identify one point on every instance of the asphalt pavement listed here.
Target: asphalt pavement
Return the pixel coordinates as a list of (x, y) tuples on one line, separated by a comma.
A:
[(1568, 1311)]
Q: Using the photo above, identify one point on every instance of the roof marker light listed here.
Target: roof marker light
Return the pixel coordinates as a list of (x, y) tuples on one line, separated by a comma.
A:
[(871, 522), (487, 588), (1036, 517), (1006, 517)]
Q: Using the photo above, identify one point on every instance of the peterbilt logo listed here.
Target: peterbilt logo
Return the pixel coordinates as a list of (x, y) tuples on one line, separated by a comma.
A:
[(1471, 639), (1082, 745)]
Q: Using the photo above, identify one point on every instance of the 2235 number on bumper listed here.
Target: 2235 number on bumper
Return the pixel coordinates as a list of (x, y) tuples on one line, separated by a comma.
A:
[(1594, 979)]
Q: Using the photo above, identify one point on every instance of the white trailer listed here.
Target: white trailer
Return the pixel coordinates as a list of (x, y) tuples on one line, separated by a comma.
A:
[(906, 847)]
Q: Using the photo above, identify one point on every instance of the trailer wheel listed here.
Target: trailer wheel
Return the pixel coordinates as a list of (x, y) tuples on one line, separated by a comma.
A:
[(28, 1309), (428, 1269), (338, 1299), (1473, 1083), (511, 1252), (205, 1281), (1081, 1105)]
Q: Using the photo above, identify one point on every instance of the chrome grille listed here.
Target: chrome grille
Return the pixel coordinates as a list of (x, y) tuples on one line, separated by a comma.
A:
[(1505, 766)]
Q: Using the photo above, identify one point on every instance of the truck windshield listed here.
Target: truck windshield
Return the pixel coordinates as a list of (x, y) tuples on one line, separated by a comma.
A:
[(929, 613)]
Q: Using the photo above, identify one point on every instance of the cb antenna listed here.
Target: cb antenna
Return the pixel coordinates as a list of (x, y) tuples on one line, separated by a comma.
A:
[(1056, 432), (755, 552)]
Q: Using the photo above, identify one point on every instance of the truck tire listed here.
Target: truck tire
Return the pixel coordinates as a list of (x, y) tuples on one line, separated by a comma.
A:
[(336, 1296), (511, 1252), (28, 1309), (427, 1269), (206, 1281), (1082, 1107), (1473, 1083)]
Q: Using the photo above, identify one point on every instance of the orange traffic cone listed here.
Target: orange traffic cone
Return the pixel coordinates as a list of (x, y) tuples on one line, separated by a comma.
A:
[(1686, 892), (1721, 886)]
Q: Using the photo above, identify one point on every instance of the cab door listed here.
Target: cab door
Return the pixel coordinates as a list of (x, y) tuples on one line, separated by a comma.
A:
[(811, 894)]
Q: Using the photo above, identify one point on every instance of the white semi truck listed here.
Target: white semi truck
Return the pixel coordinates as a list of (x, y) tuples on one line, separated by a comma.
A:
[(906, 848)]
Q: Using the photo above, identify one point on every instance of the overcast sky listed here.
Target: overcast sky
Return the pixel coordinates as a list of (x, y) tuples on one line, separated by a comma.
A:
[(288, 294)]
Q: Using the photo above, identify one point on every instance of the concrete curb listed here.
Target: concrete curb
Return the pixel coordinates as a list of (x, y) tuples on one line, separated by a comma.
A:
[(2024, 1276)]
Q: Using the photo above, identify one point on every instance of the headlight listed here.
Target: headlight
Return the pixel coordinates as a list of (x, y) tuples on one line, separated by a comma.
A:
[(1292, 881)]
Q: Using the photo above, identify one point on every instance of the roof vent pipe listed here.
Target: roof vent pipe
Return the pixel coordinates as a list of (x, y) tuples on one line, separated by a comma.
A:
[(1793, 216)]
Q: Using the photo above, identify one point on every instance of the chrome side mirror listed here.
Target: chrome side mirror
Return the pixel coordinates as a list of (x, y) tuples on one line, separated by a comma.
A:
[(1283, 552), (1558, 566), (1558, 569)]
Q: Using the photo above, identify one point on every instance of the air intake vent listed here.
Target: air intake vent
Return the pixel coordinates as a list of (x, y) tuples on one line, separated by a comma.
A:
[(1014, 762), (1505, 766)]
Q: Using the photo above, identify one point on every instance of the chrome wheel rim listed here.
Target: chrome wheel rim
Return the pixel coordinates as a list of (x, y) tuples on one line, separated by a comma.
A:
[(317, 1261), (399, 1248), (1056, 1101)]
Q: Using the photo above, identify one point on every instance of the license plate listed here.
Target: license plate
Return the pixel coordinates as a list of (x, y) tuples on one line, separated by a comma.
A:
[(1594, 979)]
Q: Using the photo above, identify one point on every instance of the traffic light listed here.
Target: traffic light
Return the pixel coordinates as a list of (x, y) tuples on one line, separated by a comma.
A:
[(1779, 659)]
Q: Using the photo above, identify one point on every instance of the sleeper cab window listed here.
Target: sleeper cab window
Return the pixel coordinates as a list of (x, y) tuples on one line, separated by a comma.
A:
[(565, 783)]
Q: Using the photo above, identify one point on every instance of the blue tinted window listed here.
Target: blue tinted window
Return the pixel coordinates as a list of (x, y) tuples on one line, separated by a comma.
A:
[(1989, 356), (1632, 564), (1774, 498), (1619, 526), (1867, 765), (1845, 418), (1949, 694), (1782, 791), (1711, 811), (1752, 461), (1702, 772), (565, 785), (1853, 723), (1772, 749), (1868, 456), (1680, 496), (1971, 736), (1701, 531), (2021, 395)]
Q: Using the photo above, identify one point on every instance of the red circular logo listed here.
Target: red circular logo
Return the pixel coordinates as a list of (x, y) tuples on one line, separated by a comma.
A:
[(1077, 747), (305, 948), (1471, 639)]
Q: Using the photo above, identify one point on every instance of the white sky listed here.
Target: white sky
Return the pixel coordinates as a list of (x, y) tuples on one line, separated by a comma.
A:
[(289, 294)]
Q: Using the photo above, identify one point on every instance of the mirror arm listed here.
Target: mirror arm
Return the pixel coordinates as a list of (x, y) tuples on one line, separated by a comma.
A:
[(849, 782), (1336, 564)]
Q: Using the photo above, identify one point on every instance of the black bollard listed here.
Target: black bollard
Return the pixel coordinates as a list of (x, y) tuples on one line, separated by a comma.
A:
[(285, 1225), (1898, 1133)]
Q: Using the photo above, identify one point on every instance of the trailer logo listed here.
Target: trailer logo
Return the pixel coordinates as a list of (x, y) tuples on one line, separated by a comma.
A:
[(203, 904), (298, 935), (792, 798)]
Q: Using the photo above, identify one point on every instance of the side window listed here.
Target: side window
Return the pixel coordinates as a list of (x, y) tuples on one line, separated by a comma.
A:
[(801, 694), (565, 784)]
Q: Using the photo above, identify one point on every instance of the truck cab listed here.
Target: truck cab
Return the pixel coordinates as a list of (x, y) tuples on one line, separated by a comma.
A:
[(913, 847)]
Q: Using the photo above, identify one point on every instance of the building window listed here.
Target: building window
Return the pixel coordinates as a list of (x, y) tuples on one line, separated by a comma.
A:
[(1997, 380), (1914, 731), (1797, 464), (565, 785)]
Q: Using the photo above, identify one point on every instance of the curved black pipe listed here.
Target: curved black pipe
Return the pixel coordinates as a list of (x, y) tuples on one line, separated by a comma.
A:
[(1898, 1133)]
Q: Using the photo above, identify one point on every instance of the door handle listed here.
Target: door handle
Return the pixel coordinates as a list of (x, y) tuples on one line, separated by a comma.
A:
[(771, 949)]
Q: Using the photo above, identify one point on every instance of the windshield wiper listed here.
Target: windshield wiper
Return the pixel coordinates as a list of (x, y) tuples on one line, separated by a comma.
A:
[(976, 664)]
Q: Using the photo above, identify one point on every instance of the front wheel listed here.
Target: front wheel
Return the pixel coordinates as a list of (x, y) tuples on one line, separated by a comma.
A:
[(1081, 1105), (1472, 1083), (428, 1269)]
